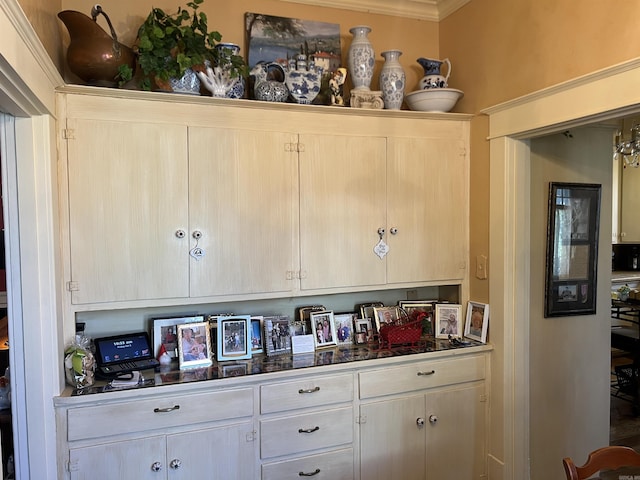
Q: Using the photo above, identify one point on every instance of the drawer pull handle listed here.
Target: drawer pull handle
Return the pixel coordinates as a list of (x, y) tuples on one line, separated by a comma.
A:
[(424, 374), (305, 474), (165, 410), (308, 430), (310, 390)]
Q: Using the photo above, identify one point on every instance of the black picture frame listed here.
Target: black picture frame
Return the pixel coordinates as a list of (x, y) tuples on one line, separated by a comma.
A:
[(572, 249)]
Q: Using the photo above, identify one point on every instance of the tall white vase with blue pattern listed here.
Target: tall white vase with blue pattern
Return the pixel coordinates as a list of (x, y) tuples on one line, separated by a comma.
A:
[(361, 58), (392, 80)]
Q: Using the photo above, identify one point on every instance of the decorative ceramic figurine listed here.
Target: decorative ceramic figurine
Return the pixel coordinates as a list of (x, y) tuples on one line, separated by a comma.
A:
[(218, 81), (336, 85), (392, 80), (432, 75), (226, 50)]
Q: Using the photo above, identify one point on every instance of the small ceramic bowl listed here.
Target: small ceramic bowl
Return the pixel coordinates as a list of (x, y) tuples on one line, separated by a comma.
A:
[(433, 99)]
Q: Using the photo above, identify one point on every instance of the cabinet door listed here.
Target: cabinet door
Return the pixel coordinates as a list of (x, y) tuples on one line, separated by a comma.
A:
[(455, 442), (629, 201), (342, 206), (427, 204), (243, 199), (123, 459), (127, 199), (392, 444), (217, 453)]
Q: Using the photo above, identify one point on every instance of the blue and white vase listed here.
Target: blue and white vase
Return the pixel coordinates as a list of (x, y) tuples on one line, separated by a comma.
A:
[(225, 51), (188, 83), (361, 58), (392, 80)]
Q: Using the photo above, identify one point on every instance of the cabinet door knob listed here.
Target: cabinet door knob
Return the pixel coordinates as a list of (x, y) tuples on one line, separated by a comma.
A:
[(180, 233), (433, 419), (175, 463), (197, 234), (393, 230), (156, 466), (420, 421)]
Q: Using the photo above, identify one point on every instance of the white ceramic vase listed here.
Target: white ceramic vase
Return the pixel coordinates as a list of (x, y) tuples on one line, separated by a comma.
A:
[(392, 80), (361, 58)]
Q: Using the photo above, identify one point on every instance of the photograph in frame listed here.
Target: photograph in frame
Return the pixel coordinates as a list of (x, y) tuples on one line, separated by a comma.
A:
[(366, 311), (448, 320), (363, 331), (194, 345), (257, 332), (233, 338), (165, 333), (422, 311), (384, 315), (573, 224), (477, 322), (324, 330), (343, 323), (303, 318), (277, 335)]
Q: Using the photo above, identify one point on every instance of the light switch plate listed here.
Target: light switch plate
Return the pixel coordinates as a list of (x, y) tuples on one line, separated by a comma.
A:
[(481, 267)]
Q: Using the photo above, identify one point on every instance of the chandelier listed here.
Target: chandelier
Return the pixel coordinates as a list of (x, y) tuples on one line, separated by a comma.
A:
[(629, 151)]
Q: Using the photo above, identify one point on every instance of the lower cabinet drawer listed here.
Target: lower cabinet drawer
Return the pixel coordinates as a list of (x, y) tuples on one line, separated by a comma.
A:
[(335, 465), (162, 412), (420, 375), (301, 433)]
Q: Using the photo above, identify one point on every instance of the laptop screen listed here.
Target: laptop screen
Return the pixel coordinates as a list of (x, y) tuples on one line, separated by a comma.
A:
[(122, 348)]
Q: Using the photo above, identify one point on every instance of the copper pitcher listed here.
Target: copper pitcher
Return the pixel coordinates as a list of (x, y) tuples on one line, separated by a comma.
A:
[(93, 55)]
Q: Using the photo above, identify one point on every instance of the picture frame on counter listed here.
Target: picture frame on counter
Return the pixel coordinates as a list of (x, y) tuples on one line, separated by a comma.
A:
[(165, 332), (257, 334), (363, 331), (277, 335), (366, 310), (477, 321), (573, 223), (233, 338), (344, 324), (324, 329), (448, 320), (422, 310), (384, 315), (194, 345)]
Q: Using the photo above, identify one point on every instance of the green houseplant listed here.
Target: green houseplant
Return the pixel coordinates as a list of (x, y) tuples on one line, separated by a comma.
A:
[(169, 44)]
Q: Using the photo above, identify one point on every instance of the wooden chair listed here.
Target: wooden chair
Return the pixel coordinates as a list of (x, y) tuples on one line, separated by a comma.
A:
[(606, 458)]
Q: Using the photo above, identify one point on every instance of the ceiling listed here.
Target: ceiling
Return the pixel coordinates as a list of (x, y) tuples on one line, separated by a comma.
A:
[(434, 10)]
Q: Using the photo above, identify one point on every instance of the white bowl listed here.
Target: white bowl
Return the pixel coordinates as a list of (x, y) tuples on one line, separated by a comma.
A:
[(433, 99)]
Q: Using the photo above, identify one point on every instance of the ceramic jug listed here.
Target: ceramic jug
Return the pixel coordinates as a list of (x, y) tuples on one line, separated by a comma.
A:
[(303, 80), (269, 83), (93, 55), (433, 77)]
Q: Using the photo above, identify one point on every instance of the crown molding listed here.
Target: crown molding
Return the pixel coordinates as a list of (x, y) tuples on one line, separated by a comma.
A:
[(433, 10)]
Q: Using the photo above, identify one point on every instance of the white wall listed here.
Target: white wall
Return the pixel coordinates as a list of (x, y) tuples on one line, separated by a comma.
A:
[(569, 356)]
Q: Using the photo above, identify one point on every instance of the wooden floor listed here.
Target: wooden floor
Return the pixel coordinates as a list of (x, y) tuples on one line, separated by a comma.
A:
[(625, 423)]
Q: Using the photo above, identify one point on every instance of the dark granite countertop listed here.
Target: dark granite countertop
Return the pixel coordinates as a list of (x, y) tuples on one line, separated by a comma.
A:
[(261, 363)]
